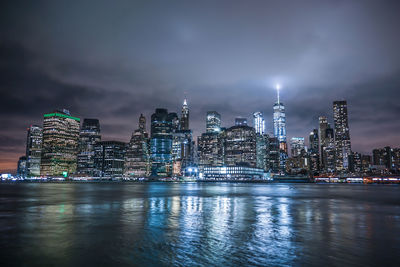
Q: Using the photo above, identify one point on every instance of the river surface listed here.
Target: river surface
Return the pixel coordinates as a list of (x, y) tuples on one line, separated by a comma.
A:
[(199, 224)]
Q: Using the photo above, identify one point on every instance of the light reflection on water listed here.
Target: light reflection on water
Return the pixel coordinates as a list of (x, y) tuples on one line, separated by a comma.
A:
[(199, 224)]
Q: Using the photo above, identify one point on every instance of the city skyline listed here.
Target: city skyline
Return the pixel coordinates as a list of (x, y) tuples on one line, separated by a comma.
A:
[(48, 64)]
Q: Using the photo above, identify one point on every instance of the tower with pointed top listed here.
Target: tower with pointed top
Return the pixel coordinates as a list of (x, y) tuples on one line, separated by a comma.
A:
[(184, 125), (280, 129), (142, 123)]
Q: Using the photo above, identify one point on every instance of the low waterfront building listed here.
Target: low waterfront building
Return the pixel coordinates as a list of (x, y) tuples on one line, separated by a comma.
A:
[(231, 173)]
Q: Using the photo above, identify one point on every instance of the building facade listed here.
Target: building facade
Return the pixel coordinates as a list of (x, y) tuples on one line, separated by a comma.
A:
[(259, 123), (137, 156), (240, 146), (162, 126), (342, 136), (33, 150), (109, 159), (60, 144), (213, 122), (89, 135)]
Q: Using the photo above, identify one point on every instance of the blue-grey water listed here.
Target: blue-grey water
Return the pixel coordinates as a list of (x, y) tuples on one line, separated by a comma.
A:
[(199, 224)]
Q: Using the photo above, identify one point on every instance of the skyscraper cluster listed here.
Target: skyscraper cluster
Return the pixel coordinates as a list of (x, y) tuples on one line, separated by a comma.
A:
[(64, 147)]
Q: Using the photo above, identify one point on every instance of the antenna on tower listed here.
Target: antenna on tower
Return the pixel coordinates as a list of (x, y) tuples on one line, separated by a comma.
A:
[(278, 87)]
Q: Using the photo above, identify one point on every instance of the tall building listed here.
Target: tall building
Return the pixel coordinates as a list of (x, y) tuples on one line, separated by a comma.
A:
[(274, 154), (210, 149), (182, 150), (329, 151), (262, 151), (21, 167), (297, 146), (185, 116), (162, 127), (213, 122), (240, 121), (137, 157), (259, 122), (142, 123), (314, 142), (314, 152), (342, 135), (240, 146), (109, 159), (60, 143), (280, 130), (33, 150), (323, 125), (89, 135)]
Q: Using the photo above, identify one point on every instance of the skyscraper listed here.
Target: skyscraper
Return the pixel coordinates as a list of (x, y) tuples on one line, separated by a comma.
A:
[(262, 151), (342, 135), (259, 122), (142, 123), (210, 149), (213, 122), (314, 152), (329, 151), (185, 116), (240, 146), (109, 159), (323, 125), (33, 150), (137, 157), (60, 142), (297, 146), (280, 130), (88, 136), (162, 128)]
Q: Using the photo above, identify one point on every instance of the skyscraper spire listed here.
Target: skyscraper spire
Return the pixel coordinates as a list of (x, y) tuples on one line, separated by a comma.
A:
[(278, 87), (185, 116)]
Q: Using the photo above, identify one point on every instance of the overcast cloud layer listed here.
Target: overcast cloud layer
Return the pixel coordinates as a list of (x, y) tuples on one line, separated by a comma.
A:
[(114, 60)]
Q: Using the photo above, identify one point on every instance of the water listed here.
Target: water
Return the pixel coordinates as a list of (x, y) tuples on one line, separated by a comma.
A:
[(204, 224)]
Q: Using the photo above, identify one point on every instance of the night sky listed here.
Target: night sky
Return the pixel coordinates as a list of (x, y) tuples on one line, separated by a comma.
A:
[(114, 61)]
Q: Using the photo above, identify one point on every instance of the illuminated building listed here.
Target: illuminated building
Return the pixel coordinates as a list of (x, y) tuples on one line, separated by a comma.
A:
[(88, 136), (366, 162), (259, 123), (213, 122), (262, 151), (240, 121), (21, 167), (182, 150), (33, 150), (274, 159), (329, 151), (109, 159), (297, 146), (210, 149), (240, 146), (298, 164), (162, 126), (314, 152), (384, 156), (342, 135), (185, 116), (323, 125), (355, 163), (60, 144), (280, 130), (231, 173), (137, 157)]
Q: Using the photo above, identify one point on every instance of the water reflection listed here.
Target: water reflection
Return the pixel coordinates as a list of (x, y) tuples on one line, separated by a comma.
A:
[(199, 224)]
